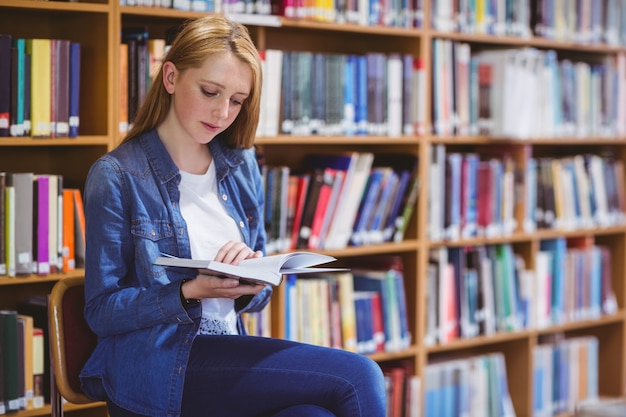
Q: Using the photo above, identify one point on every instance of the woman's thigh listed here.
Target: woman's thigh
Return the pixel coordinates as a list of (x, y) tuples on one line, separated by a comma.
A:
[(249, 376)]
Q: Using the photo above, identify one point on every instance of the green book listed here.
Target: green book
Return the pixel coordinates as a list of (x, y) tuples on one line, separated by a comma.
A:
[(8, 323)]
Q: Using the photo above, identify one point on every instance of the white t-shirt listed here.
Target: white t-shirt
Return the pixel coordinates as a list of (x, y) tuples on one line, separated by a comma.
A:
[(209, 227)]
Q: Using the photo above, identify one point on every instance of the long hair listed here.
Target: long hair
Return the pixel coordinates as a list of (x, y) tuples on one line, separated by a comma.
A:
[(197, 40)]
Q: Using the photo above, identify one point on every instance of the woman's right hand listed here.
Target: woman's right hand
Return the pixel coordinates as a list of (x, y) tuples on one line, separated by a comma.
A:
[(212, 286)]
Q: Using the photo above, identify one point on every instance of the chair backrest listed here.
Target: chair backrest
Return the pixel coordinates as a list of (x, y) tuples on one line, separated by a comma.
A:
[(71, 339)]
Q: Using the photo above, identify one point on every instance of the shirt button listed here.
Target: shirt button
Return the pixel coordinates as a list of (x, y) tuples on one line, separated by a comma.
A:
[(241, 224), (153, 233), (224, 197)]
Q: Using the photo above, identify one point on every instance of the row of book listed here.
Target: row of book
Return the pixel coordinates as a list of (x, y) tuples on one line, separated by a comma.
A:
[(475, 386), (304, 93), (22, 369), (42, 225), (500, 190), (363, 311), (395, 13), (39, 87), (483, 290), (526, 93), (498, 18), (403, 389), (314, 93), (340, 199), (564, 374), (578, 21), (140, 59)]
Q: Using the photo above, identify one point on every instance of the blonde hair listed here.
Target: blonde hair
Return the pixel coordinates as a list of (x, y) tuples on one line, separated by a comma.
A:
[(197, 40)]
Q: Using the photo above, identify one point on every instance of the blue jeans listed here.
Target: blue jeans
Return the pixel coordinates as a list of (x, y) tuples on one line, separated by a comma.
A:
[(246, 376)]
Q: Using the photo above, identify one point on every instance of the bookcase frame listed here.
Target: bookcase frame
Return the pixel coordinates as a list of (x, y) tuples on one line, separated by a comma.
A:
[(97, 25)]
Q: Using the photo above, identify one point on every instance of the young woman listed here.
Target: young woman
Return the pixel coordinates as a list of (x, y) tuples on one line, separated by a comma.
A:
[(185, 182)]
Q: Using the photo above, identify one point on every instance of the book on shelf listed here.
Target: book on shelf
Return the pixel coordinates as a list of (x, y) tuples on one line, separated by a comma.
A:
[(41, 226), (22, 183), (74, 89), (123, 89), (41, 84), (5, 83), (61, 85), (17, 87), (267, 269), (79, 229), (26, 356), (39, 352), (37, 308), (9, 357), (3, 229)]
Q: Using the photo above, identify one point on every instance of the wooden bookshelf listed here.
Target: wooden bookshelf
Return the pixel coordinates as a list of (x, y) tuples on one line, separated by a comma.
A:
[(97, 26)]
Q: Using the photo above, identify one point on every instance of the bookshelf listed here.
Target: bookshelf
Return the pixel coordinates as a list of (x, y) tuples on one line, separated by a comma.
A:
[(97, 26)]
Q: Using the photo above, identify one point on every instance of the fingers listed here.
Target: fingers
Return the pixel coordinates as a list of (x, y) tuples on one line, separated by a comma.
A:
[(234, 252), (211, 286)]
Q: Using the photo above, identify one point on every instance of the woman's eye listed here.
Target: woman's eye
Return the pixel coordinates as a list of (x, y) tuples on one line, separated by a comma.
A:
[(210, 93), (237, 102)]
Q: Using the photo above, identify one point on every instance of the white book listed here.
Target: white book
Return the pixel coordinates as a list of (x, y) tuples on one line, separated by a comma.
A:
[(394, 95), (342, 223), (267, 269)]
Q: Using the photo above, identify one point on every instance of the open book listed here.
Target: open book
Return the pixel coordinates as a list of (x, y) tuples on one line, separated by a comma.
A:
[(268, 269)]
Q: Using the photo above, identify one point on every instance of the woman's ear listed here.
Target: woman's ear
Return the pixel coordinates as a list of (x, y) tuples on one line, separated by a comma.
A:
[(169, 75)]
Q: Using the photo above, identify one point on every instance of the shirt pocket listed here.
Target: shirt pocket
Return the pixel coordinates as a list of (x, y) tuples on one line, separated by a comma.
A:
[(152, 238)]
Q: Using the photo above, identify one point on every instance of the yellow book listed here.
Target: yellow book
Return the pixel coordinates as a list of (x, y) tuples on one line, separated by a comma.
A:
[(28, 359), (156, 49), (348, 314), (39, 50)]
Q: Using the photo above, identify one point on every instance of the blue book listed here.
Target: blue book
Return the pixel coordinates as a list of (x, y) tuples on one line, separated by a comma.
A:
[(397, 277), (367, 205), (361, 105), (432, 391), (364, 328), (349, 96), (374, 230), (595, 283), (453, 195), (558, 248), (291, 301), (17, 126), (469, 190), (74, 96), (403, 182), (368, 281)]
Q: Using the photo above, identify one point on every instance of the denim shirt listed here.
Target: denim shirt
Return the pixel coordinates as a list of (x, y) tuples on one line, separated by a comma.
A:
[(132, 215)]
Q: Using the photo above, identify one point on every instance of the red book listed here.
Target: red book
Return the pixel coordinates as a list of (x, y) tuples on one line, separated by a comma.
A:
[(323, 200), (303, 186), (377, 322), (485, 196)]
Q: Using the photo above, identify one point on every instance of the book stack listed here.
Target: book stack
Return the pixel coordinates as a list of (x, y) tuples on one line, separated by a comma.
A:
[(42, 228), (340, 200), (39, 87)]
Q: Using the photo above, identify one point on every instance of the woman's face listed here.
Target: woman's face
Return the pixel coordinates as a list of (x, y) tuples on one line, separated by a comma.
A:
[(206, 100)]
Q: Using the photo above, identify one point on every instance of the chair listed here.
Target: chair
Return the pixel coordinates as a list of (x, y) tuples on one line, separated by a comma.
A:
[(71, 343)]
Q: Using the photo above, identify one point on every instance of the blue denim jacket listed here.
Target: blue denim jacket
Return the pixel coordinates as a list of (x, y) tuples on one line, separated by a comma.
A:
[(132, 216)]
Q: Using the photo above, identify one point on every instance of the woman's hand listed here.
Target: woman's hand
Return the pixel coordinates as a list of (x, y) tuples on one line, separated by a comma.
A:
[(211, 286)]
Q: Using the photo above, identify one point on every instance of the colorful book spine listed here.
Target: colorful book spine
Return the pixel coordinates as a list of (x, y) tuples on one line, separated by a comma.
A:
[(41, 84)]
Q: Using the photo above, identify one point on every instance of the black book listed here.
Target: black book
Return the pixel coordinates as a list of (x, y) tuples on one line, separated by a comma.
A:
[(5, 83)]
